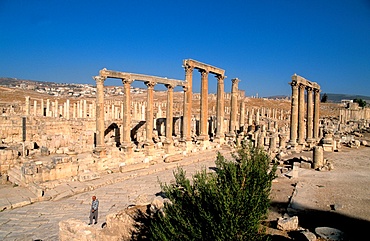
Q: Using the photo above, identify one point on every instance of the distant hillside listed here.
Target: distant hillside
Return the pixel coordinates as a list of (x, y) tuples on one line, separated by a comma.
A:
[(11, 82), (336, 98)]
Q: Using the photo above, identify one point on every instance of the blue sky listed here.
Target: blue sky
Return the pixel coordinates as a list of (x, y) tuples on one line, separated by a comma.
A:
[(261, 42)]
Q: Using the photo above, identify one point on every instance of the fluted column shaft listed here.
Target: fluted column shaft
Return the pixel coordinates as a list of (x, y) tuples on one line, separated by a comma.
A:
[(309, 114), (301, 115), (149, 112), (99, 111), (294, 114), (204, 104), (188, 95), (126, 116), (316, 116), (169, 113), (220, 105)]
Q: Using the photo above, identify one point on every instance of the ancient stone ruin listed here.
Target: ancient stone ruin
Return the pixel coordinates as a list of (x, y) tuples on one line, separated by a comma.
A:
[(46, 142)]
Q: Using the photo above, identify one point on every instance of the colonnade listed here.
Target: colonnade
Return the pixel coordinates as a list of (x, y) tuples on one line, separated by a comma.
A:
[(204, 70), (301, 132), (127, 80)]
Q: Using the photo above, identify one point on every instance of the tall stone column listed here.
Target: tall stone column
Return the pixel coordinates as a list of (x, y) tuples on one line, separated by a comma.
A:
[(204, 105), (301, 115), (56, 109), (149, 113), (309, 115), (84, 109), (220, 109), (100, 146), (27, 112), (35, 107), (126, 115), (316, 115), (294, 114), (169, 113), (234, 106), (188, 95), (42, 107), (67, 109), (48, 107), (242, 115)]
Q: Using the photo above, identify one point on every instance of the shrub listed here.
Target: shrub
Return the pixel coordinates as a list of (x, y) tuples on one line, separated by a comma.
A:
[(228, 204)]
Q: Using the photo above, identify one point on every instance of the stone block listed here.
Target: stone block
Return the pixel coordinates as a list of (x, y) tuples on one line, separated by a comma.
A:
[(288, 224), (173, 158), (88, 176)]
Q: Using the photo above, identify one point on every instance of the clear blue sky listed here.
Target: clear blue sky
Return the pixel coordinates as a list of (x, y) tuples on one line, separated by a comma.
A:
[(261, 42)]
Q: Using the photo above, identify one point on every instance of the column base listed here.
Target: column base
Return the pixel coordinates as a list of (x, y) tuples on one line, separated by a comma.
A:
[(149, 148), (100, 151), (127, 147), (219, 140), (168, 146)]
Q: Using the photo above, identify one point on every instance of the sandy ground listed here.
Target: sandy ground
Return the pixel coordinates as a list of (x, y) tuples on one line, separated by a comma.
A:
[(339, 198)]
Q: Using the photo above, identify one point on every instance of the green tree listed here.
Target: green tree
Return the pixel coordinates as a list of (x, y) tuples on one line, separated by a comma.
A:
[(361, 102), (228, 204), (324, 98)]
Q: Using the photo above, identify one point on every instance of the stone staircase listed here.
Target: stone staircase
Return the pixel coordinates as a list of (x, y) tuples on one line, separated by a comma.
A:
[(15, 176)]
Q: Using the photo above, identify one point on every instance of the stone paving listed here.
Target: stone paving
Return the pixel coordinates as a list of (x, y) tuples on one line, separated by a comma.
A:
[(39, 220)]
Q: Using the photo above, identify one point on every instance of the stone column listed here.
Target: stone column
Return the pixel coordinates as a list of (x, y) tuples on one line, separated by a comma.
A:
[(234, 106), (301, 115), (318, 157), (85, 109), (100, 145), (126, 115), (27, 112), (316, 115), (294, 114), (204, 105), (242, 115), (48, 107), (169, 113), (67, 109), (188, 95), (56, 109), (272, 143), (309, 115), (220, 106), (149, 113), (35, 107), (42, 107)]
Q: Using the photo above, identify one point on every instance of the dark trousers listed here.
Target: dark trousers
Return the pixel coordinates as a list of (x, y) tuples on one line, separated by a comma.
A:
[(94, 215)]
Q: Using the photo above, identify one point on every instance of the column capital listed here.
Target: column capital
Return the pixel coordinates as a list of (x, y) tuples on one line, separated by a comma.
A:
[(185, 88), (309, 88), (301, 86), (203, 72), (169, 86), (220, 78), (316, 90), (150, 84), (127, 81), (235, 80), (188, 68), (99, 79)]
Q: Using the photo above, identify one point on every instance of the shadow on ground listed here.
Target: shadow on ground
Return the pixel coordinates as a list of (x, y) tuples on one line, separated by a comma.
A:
[(354, 228)]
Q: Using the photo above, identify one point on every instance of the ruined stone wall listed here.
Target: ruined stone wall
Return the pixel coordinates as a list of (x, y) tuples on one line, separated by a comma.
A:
[(57, 135)]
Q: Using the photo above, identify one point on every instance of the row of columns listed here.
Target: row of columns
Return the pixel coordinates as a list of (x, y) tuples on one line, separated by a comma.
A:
[(301, 132)]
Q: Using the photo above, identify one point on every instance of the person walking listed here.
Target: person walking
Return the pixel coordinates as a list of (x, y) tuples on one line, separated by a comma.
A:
[(94, 210)]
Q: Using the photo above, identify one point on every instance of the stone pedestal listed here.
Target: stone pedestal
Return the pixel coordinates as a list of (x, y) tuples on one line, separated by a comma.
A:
[(318, 157)]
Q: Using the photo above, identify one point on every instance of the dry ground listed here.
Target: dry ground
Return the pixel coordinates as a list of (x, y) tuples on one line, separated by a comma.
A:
[(339, 198)]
